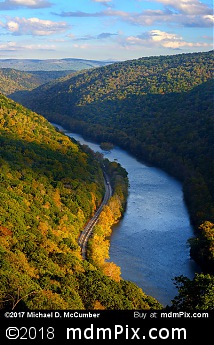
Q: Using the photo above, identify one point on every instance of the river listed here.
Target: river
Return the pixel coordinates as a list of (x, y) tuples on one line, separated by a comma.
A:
[(150, 242)]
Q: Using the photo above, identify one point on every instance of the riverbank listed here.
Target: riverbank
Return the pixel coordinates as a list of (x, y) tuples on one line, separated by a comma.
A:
[(150, 242)]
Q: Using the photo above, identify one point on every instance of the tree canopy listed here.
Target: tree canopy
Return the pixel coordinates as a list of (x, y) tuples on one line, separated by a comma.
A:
[(158, 108), (49, 189)]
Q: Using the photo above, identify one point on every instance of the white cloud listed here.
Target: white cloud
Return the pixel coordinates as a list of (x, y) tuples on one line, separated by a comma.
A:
[(196, 18), (14, 4), (81, 46), (8, 46), (158, 38), (13, 46), (26, 2), (34, 26), (151, 17), (101, 36), (190, 7), (106, 13), (103, 2), (13, 26)]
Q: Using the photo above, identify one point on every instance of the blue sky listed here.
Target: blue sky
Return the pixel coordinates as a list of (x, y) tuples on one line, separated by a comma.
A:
[(104, 29)]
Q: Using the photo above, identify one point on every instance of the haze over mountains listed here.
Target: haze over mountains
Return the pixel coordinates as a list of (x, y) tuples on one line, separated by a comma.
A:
[(51, 64)]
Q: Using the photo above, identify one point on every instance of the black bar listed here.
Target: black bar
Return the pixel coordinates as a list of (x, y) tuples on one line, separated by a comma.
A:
[(99, 326)]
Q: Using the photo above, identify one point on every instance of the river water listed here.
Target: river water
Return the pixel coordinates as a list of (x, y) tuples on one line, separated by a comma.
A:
[(150, 242)]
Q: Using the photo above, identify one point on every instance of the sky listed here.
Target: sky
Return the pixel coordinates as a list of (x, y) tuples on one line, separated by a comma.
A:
[(104, 29)]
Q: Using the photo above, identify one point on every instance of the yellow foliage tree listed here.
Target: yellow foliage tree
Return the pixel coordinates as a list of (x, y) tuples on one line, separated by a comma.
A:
[(112, 270)]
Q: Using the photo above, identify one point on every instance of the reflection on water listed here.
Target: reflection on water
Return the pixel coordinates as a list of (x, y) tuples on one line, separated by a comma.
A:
[(150, 242)]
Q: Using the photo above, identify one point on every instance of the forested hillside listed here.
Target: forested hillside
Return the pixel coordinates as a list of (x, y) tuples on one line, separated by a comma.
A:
[(152, 75), (49, 189), (158, 108), (12, 80), (27, 74)]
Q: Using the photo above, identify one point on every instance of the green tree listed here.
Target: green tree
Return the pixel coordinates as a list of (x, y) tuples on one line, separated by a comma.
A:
[(194, 294)]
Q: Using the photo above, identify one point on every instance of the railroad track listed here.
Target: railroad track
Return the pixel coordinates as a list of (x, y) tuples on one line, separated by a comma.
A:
[(87, 231)]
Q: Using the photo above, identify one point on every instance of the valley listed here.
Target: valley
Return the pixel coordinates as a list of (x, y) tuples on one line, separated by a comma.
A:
[(50, 188), (160, 109)]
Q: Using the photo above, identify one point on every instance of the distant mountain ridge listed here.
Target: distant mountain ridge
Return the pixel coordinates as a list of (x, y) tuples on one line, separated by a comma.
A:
[(71, 64)]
